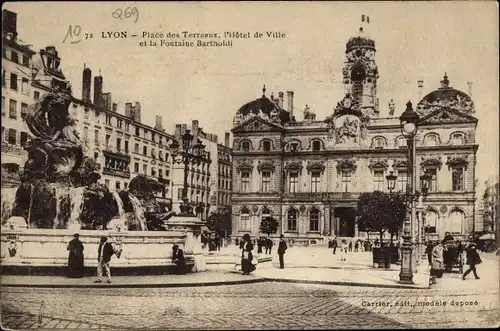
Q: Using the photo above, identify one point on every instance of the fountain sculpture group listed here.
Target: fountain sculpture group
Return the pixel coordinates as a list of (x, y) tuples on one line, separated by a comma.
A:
[(60, 195)]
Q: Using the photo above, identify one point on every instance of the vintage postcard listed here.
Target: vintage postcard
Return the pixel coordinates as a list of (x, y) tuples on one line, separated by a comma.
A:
[(250, 165)]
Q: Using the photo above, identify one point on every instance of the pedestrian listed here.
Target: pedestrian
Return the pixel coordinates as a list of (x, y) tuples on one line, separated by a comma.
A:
[(437, 267), (259, 246), (282, 247), (217, 242), (473, 259), (179, 260), (269, 246), (335, 244), (356, 246), (246, 255), (104, 254), (343, 248), (367, 245), (350, 246), (75, 258)]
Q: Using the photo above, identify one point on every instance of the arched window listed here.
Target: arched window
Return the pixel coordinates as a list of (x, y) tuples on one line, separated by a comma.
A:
[(431, 139), (266, 145), (292, 220), (378, 142), (455, 221), (401, 142), (314, 220), (245, 146), (457, 139), (244, 220), (265, 213), (316, 145), (431, 218)]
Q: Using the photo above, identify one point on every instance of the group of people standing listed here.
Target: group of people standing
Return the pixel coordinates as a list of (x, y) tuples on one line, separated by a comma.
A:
[(443, 254), (76, 258), (247, 246)]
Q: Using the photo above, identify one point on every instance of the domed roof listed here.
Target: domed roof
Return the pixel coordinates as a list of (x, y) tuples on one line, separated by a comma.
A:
[(264, 108), (446, 97), (361, 40)]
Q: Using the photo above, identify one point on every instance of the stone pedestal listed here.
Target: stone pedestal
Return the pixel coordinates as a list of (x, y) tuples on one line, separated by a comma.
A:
[(190, 225)]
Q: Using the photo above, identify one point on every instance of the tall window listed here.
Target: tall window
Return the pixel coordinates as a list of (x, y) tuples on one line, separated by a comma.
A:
[(118, 186), (294, 147), (24, 86), (314, 220), (14, 56), (13, 109), (315, 181), (245, 146), (24, 110), (402, 180), (12, 136), (433, 184), (26, 60), (107, 140), (292, 220), (265, 214), (85, 133), (401, 142), (266, 181), (24, 138), (153, 172), (145, 169), (36, 95), (13, 81), (160, 155), (346, 180), (457, 179), (379, 143), (144, 150), (245, 181), (136, 148), (431, 222), (316, 145), (431, 140), (136, 167), (119, 123), (137, 131), (266, 146), (378, 180), (457, 139), (293, 182), (455, 221), (108, 119), (160, 173), (126, 146), (96, 136), (118, 144), (244, 220)]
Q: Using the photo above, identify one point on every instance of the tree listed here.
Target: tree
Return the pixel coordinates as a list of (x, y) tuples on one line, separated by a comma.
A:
[(381, 212), (269, 225), (220, 223)]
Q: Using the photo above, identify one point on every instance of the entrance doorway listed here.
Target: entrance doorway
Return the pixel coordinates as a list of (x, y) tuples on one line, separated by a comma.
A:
[(345, 219)]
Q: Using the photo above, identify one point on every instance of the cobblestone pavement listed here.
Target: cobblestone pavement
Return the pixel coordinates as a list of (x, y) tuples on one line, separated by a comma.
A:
[(262, 306)]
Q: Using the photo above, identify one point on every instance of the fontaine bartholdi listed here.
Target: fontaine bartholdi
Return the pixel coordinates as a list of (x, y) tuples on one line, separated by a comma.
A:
[(60, 195)]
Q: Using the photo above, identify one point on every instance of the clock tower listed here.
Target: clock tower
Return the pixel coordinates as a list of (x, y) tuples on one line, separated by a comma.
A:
[(360, 73)]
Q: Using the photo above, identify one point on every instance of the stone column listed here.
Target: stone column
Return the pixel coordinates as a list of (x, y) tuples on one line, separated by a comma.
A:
[(326, 220)]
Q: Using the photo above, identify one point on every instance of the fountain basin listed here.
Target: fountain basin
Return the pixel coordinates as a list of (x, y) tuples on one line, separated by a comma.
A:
[(32, 251)]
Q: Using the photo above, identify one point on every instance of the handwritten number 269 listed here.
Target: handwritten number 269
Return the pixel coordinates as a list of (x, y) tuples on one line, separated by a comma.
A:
[(127, 13)]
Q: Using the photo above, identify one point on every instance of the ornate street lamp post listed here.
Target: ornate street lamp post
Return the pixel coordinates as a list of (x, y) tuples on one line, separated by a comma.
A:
[(391, 181), (188, 154), (409, 126)]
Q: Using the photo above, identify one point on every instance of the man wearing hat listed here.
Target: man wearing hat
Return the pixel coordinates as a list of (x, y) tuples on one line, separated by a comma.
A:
[(105, 252), (281, 251), (473, 259)]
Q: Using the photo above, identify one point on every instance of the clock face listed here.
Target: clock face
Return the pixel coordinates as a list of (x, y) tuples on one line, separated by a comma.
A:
[(358, 74)]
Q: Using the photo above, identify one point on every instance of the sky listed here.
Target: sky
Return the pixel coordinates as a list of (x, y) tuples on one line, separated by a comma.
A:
[(414, 40)]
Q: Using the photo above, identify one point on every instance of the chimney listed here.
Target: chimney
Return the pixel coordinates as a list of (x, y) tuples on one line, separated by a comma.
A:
[(469, 85), (226, 137), (420, 85), (159, 123), (106, 101), (194, 131), (128, 109), (86, 83), (177, 133), (137, 112), (114, 107), (98, 90), (281, 97), (290, 103)]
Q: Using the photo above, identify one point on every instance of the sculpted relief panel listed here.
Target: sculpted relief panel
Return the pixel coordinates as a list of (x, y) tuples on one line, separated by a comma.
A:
[(347, 130)]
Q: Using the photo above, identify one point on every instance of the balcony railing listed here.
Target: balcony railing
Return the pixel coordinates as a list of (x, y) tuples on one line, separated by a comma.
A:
[(12, 149)]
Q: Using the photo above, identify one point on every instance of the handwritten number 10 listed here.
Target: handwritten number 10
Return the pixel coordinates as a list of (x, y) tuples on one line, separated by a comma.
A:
[(127, 13)]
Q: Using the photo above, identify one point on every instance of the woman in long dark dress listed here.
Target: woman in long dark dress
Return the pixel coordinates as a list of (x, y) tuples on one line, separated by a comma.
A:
[(179, 259), (246, 255), (75, 259)]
